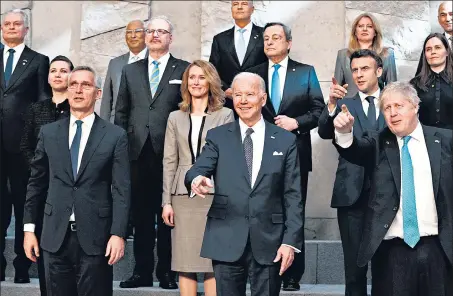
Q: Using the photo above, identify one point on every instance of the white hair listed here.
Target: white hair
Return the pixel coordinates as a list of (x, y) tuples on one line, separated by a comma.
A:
[(404, 88), (17, 11), (161, 17), (247, 75)]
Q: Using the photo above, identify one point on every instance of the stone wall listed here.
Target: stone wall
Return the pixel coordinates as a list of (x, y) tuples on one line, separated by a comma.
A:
[(92, 32)]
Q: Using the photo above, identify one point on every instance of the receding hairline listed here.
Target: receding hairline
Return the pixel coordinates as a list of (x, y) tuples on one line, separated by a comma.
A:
[(442, 5), (244, 75), (136, 21), (18, 11), (250, 2)]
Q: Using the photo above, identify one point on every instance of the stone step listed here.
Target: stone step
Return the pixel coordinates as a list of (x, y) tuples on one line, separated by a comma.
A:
[(324, 262), (8, 288)]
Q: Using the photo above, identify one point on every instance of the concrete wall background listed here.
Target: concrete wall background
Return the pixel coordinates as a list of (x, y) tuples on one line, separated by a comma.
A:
[(92, 32)]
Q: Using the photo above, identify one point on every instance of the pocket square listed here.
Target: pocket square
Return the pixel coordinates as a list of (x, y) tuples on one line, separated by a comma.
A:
[(175, 81), (277, 153)]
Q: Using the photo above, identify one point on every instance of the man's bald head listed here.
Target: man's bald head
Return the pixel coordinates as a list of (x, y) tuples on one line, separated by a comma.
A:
[(135, 36), (445, 15)]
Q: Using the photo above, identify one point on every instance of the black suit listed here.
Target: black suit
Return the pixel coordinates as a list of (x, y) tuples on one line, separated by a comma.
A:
[(302, 100), (145, 119), (225, 59), (379, 153), (245, 225), (99, 197), (27, 84), (350, 194)]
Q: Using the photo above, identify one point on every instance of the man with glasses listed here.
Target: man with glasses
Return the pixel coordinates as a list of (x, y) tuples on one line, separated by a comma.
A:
[(295, 104), (149, 91), (135, 40)]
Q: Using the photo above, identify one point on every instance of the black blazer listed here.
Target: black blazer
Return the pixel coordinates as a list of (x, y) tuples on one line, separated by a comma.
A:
[(379, 153), (100, 194), (39, 114), (302, 100), (142, 115), (27, 84), (350, 180), (271, 212)]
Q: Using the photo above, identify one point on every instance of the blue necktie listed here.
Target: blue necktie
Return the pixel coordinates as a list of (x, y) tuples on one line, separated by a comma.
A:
[(9, 65), (410, 222), (275, 91), (240, 46), (154, 81), (75, 147)]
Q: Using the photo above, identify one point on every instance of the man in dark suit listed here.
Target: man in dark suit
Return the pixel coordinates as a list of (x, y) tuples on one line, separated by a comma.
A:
[(238, 48), (408, 226), (149, 91), (23, 80), (80, 174), (256, 218), (135, 40), (295, 104), (351, 190)]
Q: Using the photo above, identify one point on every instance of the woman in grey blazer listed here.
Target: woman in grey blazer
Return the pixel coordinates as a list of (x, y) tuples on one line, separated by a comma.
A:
[(201, 109), (366, 33)]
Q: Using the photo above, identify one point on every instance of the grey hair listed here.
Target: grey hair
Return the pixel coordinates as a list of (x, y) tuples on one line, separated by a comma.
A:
[(441, 5), (262, 84), (161, 17), (250, 1), (286, 29), (97, 79), (404, 88), (17, 11)]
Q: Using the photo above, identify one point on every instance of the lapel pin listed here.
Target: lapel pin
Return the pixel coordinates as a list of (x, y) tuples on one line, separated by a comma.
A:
[(294, 70), (173, 66), (24, 62), (272, 137), (387, 142), (437, 141)]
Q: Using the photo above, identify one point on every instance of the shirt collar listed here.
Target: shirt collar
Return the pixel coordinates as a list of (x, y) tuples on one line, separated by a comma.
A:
[(257, 127), (18, 48), (447, 35), (141, 55), (163, 59), (417, 134), (87, 120), (375, 94), (248, 28), (283, 63)]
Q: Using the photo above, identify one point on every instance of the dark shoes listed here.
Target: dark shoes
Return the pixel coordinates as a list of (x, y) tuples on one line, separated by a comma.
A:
[(136, 281), (167, 282), (290, 285), (21, 278)]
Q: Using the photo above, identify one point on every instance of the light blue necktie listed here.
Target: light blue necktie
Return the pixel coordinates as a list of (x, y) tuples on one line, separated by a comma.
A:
[(9, 65), (240, 47), (410, 221), (275, 91), (154, 81), (75, 147)]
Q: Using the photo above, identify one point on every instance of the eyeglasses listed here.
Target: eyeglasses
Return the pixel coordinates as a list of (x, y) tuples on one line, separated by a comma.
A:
[(136, 31), (160, 32), (85, 86)]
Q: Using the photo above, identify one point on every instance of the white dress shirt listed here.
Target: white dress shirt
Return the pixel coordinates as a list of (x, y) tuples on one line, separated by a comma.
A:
[(18, 52), (448, 36), (86, 130), (140, 56), (247, 33), (163, 63), (281, 74), (423, 182), (365, 103)]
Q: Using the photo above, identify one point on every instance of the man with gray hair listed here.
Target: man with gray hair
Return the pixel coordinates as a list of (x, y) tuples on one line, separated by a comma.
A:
[(255, 223), (409, 221), (23, 80), (149, 91)]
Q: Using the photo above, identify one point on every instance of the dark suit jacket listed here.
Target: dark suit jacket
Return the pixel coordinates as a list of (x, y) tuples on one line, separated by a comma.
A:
[(351, 179), (271, 212), (100, 194), (225, 60), (141, 114), (302, 100), (379, 153), (27, 84)]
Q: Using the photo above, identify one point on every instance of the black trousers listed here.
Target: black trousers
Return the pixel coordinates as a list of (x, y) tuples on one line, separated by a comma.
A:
[(297, 269), (231, 278), (71, 272), (146, 177), (350, 222), (399, 270), (14, 172), (41, 265)]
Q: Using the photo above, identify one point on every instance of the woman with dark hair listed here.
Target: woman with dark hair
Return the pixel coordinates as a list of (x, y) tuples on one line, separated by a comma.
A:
[(201, 109), (39, 114), (434, 83)]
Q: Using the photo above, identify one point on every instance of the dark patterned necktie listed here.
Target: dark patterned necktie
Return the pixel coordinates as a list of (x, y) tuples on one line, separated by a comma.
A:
[(75, 147), (371, 111), (248, 151)]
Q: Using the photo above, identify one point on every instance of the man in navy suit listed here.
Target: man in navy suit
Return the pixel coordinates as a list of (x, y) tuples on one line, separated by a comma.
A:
[(256, 217), (295, 104)]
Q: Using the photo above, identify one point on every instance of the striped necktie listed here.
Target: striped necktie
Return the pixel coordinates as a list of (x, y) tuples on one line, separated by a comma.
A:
[(154, 81)]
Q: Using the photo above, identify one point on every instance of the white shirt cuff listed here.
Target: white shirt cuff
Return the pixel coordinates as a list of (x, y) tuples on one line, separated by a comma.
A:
[(344, 140), (296, 250), (192, 194), (331, 114), (29, 227)]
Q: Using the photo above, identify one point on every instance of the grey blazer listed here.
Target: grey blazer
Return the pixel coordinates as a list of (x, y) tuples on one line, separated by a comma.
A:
[(177, 151), (343, 72)]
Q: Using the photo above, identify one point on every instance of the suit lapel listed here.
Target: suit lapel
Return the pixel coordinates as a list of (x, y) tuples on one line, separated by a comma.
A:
[(2, 74), (231, 47), (142, 69), (238, 151), (63, 146), (364, 122), (264, 73), (433, 145), (290, 81), (171, 65), (24, 60), (254, 39), (267, 151), (392, 151), (96, 135), (381, 120)]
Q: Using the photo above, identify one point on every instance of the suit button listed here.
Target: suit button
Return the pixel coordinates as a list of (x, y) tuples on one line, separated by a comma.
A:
[(395, 209), (75, 188), (246, 217), (5, 94), (68, 209), (151, 108), (386, 226), (147, 125), (437, 110)]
